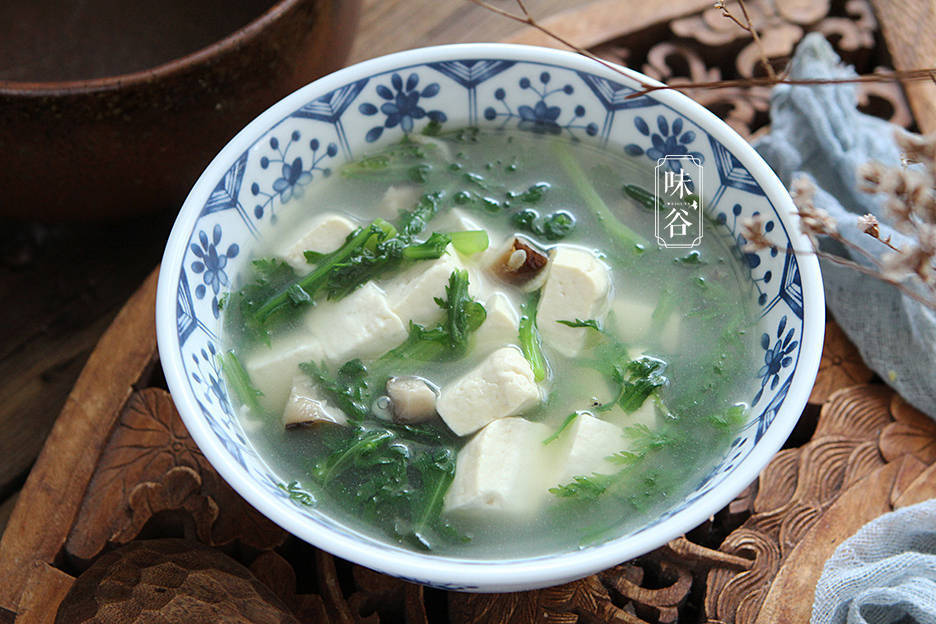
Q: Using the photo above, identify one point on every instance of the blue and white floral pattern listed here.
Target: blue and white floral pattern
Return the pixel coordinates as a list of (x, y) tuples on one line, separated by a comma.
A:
[(211, 265), (668, 140), (294, 175), (401, 106), (777, 357), (309, 142), (542, 117)]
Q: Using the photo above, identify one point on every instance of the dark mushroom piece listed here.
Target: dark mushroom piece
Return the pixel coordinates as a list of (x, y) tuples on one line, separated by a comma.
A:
[(520, 263)]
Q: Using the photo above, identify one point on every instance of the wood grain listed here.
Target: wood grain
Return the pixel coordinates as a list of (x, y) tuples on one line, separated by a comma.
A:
[(45, 588), (57, 483), (596, 23), (908, 27), (393, 25)]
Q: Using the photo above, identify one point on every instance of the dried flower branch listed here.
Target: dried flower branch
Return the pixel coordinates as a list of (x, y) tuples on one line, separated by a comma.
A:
[(896, 268), (525, 17), (748, 26)]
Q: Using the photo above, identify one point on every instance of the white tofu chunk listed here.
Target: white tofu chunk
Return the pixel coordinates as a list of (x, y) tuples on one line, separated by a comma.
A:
[(306, 406), (361, 325), (272, 369), (396, 199), (632, 319), (634, 322), (411, 295), (500, 470), (501, 385), (501, 326), (577, 287), (327, 232), (584, 446)]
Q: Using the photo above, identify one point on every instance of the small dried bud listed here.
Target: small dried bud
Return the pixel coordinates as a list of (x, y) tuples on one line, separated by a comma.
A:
[(869, 176), (813, 221), (869, 225), (910, 260), (917, 148), (752, 229)]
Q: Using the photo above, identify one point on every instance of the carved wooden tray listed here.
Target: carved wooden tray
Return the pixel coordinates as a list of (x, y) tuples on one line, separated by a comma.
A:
[(119, 482), (119, 468)]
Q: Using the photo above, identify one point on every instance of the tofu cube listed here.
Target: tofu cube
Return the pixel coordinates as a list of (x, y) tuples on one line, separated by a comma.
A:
[(632, 319), (306, 406), (500, 470), (361, 325), (456, 221), (634, 322), (577, 287), (326, 233), (501, 326), (397, 199), (411, 295), (272, 369), (583, 448), (501, 385)]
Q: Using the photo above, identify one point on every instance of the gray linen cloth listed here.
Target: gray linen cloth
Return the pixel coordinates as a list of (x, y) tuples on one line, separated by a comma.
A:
[(816, 131), (887, 571)]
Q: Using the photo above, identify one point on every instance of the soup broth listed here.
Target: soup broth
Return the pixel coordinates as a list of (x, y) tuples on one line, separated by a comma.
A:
[(606, 379)]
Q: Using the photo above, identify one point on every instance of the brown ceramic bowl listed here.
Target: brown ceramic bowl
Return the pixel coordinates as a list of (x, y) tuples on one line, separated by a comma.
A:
[(82, 146)]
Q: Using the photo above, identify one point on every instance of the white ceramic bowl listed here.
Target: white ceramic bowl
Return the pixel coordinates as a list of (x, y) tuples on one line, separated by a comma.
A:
[(337, 117)]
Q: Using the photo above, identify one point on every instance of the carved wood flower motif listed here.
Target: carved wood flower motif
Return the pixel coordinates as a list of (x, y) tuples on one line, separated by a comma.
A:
[(911, 432), (841, 365), (151, 465)]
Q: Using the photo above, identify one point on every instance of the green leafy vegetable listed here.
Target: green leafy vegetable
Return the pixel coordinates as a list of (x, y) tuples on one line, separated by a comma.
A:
[(694, 257), (625, 236), (464, 314), (432, 248), (277, 292), (553, 227), (348, 389), (643, 197), (638, 380), (533, 195), (239, 381), (590, 323), (729, 419), (530, 342), (297, 494), (565, 425), (584, 487), (436, 469), (470, 242), (401, 162)]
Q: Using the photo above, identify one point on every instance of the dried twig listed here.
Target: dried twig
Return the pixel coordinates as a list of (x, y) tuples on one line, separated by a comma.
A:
[(911, 196), (748, 26), (772, 79)]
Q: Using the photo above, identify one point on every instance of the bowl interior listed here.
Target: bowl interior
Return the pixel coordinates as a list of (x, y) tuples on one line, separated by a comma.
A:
[(312, 132)]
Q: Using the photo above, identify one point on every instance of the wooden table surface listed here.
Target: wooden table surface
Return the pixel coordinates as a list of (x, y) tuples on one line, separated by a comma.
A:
[(62, 284)]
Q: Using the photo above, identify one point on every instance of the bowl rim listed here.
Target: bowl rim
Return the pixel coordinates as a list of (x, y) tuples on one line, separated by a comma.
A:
[(507, 575), (233, 40)]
